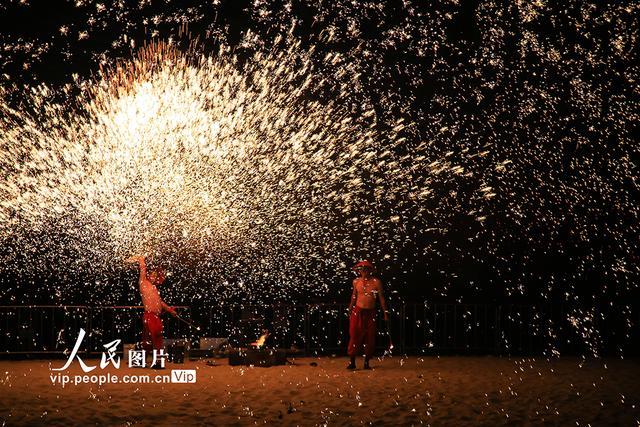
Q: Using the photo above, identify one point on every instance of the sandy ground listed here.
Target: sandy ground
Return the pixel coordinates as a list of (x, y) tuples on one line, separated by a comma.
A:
[(399, 391)]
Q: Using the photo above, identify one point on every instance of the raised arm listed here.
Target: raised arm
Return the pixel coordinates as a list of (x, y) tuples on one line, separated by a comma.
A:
[(383, 302), (142, 264)]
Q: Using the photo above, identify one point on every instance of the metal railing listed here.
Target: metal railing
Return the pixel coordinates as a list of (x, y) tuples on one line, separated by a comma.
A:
[(49, 329), (413, 328), (416, 328)]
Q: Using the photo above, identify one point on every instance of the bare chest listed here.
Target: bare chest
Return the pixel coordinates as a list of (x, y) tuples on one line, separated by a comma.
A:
[(367, 288)]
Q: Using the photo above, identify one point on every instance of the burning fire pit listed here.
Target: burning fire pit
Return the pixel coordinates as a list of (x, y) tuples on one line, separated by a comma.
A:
[(257, 355)]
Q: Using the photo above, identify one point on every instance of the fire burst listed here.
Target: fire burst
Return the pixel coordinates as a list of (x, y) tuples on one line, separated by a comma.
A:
[(177, 154)]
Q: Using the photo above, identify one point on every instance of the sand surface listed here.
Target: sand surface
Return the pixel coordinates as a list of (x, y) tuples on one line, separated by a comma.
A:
[(399, 391)]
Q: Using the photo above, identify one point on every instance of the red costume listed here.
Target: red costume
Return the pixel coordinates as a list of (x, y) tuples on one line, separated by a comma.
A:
[(151, 332), (362, 330)]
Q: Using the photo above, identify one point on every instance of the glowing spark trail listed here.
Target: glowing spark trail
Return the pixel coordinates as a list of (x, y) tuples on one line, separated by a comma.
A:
[(178, 155)]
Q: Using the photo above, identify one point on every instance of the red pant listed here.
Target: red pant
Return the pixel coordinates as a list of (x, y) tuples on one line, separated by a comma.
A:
[(362, 330), (151, 331)]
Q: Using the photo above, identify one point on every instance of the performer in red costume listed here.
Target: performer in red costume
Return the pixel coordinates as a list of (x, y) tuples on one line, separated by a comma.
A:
[(362, 308), (153, 306)]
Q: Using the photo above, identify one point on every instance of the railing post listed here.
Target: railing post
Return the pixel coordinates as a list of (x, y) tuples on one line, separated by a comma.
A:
[(307, 330), (455, 326), (210, 328), (498, 328), (402, 326), (89, 314)]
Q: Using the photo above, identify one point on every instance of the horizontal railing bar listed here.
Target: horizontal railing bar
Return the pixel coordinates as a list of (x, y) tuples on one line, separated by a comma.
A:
[(45, 306), (131, 306), (82, 306)]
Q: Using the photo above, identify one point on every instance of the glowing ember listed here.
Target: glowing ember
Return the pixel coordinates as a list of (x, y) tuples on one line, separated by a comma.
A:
[(260, 341)]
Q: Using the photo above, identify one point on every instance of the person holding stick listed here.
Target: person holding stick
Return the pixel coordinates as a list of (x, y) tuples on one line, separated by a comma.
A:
[(153, 305), (362, 308)]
